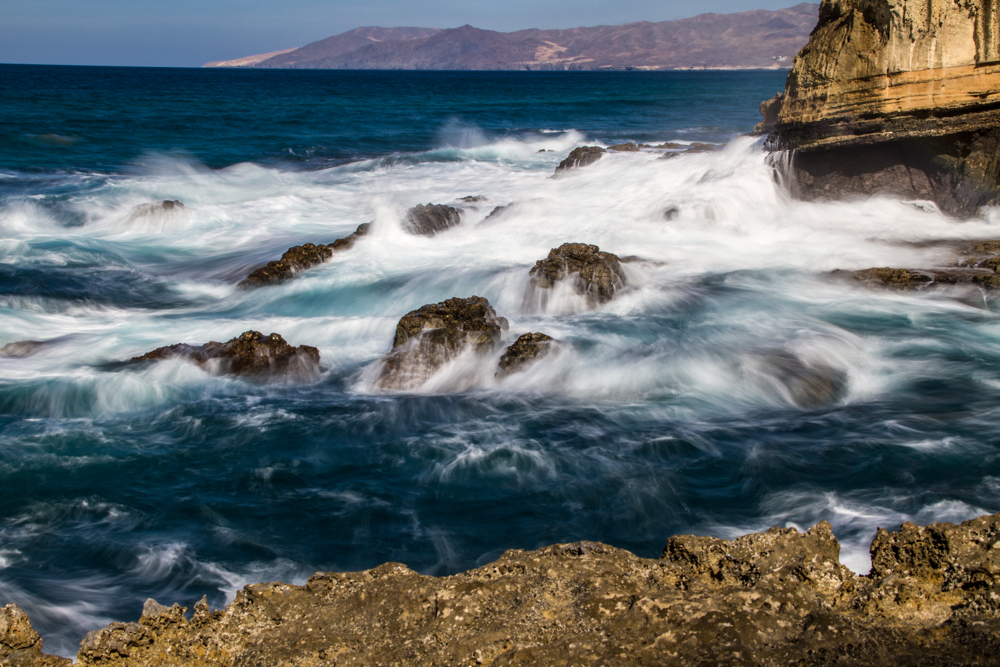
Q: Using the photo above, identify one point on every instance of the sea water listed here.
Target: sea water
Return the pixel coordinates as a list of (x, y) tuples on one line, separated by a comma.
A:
[(735, 384)]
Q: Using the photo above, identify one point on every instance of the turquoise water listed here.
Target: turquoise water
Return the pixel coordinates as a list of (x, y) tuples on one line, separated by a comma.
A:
[(681, 406)]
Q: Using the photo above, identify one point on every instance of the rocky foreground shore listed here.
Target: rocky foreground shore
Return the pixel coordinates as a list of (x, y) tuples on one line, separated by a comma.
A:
[(774, 598)]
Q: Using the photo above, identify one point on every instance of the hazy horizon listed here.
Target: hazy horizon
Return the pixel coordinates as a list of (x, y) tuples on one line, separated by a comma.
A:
[(188, 34)]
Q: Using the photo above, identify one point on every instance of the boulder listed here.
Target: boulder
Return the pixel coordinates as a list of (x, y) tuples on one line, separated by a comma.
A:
[(160, 207), (433, 335), (898, 97), (249, 354), (629, 147), (527, 349), (299, 258), (594, 274), (581, 157), (431, 219), (778, 597)]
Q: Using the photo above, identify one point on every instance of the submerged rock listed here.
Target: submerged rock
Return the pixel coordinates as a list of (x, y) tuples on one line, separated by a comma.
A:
[(21, 348), (431, 219), (581, 157), (249, 354), (163, 206), (527, 349), (594, 274), (431, 336), (897, 98), (805, 383), (778, 597), (299, 258)]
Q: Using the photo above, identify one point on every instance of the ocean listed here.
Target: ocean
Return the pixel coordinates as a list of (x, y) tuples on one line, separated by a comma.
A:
[(735, 384)]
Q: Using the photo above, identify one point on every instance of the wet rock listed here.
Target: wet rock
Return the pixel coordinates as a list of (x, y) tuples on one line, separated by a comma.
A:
[(807, 384), (20, 645), (779, 597), (249, 354), (671, 213), (625, 148), (581, 157), (595, 274), (21, 348), (473, 199), (161, 207), (431, 219), (527, 349), (299, 258), (433, 335), (906, 279)]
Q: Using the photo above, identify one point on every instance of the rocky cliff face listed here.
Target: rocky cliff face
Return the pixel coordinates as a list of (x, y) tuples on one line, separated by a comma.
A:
[(900, 96), (775, 598)]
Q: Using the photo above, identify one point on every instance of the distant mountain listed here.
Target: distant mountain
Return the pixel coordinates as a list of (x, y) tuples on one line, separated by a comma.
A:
[(754, 39)]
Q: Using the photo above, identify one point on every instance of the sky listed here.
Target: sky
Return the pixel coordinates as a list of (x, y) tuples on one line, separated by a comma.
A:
[(188, 33)]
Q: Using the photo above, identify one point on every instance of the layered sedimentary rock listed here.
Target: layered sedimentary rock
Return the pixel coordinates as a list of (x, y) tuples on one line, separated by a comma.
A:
[(299, 258), (249, 354), (431, 336), (594, 274), (895, 96), (774, 598)]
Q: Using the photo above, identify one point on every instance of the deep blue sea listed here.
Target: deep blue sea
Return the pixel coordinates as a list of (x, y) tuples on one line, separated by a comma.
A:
[(686, 404)]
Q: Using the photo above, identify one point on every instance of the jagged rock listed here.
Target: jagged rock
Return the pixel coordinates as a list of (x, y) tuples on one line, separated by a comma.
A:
[(299, 258), (527, 349), (163, 206), (497, 212), (251, 354), (431, 336), (581, 157), (595, 274), (896, 97), (431, 219), (20, 645), (778, 597)]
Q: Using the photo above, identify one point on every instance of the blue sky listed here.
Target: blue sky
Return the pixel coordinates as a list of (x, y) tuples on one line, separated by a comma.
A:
[(187, 33)]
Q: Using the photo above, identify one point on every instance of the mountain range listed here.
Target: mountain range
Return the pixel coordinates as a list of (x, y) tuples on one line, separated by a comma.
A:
[(744, 40)]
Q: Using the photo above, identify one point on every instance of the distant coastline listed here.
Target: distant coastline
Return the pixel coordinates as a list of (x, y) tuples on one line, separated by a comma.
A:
[(754, 40)]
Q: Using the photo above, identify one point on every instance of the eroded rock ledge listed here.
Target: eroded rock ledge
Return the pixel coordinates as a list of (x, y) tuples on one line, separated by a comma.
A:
[(895, 96), (774, 598)]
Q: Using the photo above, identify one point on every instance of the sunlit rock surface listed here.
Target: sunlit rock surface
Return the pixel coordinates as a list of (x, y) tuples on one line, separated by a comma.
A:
[(895, 96), (594, 274), (299, 258), (774, 598)]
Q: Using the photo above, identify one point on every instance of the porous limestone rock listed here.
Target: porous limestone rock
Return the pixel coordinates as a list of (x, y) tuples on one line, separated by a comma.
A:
[(595, 274), (250, 354), (431, 219), (580, 157), (299, 258), (433, 335), (897, 97), (527, 349), (774, 598), (20, 645)]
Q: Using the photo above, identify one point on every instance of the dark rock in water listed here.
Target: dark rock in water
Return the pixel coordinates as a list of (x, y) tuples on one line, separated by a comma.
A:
[(904, 279), (893, 278), (165, 205), (597, 275), (671, 213), (20, 645), (299, 258), (250, 354), (773, 598), (624, 148), (431, 336), (808, 385), (581, 157), (497, 212), (472, 199), (670, 145), (526, 349), (430, 219), (21, 348)]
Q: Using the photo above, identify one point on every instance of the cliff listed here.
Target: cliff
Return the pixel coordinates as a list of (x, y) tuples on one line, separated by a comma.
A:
[(899, 96), (775, 598), (754, 39)]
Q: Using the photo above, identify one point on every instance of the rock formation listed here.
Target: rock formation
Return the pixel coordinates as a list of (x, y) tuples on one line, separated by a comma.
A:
[(299, 258), (895, 96), (806, 383), (525, 350), (595, 274), (580, 157), (163, 206), (20, 645), (774, 598), (250, 354), (21, 348), (431, 336), (976, 265), (430, 219)]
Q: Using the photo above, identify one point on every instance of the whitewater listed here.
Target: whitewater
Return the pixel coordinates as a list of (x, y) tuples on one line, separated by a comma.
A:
[(673, 408)]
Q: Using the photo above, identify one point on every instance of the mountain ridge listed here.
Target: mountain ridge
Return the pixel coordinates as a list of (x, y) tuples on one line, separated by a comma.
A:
[(756, 39)]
